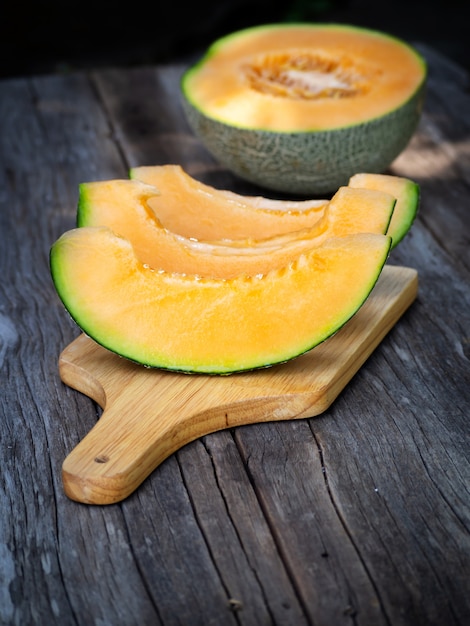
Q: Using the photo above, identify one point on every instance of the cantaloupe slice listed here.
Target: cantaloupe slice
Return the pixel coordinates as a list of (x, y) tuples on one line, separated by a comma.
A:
[(213, 326), (407, 193), (127, 213), (193, 209)]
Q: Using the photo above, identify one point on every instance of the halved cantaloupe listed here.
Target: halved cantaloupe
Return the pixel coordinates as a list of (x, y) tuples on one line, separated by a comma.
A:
[(300, 108), (193, 209), (407, 193), (213, 326), (350, 211)]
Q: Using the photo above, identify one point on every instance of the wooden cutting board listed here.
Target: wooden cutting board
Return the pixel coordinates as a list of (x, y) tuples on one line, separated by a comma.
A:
[(148, 413)]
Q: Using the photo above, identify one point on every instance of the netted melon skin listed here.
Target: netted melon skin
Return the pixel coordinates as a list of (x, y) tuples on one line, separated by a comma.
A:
[(309, 162)]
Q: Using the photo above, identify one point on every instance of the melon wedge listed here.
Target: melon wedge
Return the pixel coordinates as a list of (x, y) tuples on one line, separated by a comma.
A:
[(193, 209), (213, 326), (407, 193), (127, 214)]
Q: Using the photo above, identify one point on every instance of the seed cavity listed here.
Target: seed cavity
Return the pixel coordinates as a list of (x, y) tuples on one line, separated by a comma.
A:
[(300, 74)]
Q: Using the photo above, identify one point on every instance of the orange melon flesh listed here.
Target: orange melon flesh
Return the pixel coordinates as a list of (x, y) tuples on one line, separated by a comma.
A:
[(192, 204), (350, 211), (406, 192), (294, 78), (201, 325), (193, 209)]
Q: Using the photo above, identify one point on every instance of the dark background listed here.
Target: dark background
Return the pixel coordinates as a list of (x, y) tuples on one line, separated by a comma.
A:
[(50, 36)]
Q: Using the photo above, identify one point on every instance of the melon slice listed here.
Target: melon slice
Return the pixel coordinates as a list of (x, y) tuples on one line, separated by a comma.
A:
[(127, 214), (213, 326), (407, 193), (193, 209), (190, 207)]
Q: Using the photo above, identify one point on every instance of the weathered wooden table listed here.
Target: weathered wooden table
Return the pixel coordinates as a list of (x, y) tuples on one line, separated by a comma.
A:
[(358, 516)]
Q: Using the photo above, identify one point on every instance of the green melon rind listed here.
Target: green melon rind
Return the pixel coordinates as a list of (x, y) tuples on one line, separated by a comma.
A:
[(83, 207), (406, 207), (79, 301), (310, 162), (408, 213)]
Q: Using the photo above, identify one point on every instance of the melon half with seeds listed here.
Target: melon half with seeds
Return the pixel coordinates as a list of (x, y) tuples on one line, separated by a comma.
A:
[(300, 108)]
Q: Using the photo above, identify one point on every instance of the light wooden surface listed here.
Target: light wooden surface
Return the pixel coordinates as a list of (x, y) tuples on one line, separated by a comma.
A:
[(357, 516)]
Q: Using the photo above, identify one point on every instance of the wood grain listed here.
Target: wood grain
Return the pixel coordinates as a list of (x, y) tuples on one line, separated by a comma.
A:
[(360, 515)]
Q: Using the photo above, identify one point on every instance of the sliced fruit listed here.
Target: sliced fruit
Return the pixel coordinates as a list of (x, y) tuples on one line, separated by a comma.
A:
[(213, 326), (404, 190), (193, 209), (350, 211), (188, 206)]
